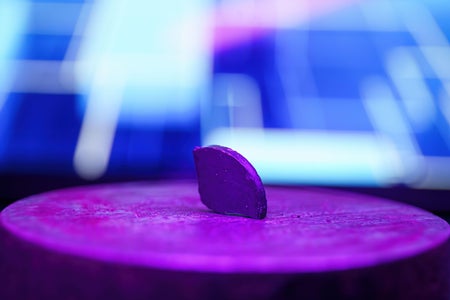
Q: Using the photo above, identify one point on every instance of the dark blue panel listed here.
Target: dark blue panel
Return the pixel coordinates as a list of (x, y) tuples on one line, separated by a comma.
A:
[(433, 143), (43, 47), (44, 133)]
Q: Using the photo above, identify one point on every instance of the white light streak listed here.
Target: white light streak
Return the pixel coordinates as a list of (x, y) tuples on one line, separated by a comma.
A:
[(417, 100), (67, 75), (96, 137), (164, 73), (13, 21), (317, 157), (422, 25), (241, 96), (429, 36), (389, 122), (439, 59)]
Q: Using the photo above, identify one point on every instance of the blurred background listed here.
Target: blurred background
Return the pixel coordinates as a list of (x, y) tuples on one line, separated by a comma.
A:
[(353, 94)]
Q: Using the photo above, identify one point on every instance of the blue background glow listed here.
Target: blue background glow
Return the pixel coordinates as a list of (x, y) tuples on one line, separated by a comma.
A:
[(356, 94)]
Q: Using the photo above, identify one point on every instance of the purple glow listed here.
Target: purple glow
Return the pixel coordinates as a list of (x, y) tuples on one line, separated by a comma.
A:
[(239, 21), (166, 226)]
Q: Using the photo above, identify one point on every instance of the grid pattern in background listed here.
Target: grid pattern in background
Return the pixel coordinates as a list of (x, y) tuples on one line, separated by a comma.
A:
[(290, 80), (45, 101), (363, 91)]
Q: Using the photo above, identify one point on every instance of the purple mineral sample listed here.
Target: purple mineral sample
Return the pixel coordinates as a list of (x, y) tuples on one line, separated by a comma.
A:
[(228, 183)]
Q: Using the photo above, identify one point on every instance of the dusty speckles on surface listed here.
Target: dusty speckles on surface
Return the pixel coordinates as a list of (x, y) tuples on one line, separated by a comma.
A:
[(166, 226)]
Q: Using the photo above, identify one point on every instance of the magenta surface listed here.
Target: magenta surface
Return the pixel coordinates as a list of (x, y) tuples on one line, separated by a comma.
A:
[(165, 226), (228, 183)]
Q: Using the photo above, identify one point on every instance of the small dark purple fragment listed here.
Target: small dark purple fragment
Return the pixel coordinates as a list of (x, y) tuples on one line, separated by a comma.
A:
[(228, 183)]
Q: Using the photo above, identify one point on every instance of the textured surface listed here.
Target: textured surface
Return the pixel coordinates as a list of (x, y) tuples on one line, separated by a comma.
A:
[(228, 183), (166, 226), (158, 241)]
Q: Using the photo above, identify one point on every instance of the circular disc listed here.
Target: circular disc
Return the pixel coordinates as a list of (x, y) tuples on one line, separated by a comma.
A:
[(165, 226)]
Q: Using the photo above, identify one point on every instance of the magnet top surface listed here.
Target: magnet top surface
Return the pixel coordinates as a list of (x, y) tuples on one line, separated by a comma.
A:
[(165, 226)]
